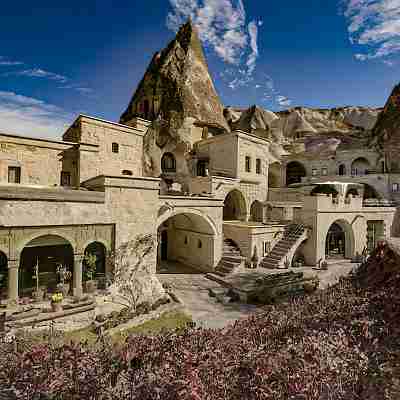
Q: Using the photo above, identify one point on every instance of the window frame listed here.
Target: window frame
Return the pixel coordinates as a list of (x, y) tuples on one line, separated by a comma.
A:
[(314, 172), (115, 147), (395, 185), (258, 166), (17, 175), (63, 175), (247, 164), (166, 157)]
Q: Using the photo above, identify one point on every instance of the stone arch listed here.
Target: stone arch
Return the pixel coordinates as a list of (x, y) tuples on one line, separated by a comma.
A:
[(97, 248), (370, 192), (46, 251), (164, 216), (51, 232), (235, 207), (274, 175), (294, 172), (186, 238), (256, 211), (339, 238), (360, 166)]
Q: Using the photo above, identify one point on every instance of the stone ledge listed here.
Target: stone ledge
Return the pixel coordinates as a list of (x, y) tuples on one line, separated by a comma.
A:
[(30, 193)]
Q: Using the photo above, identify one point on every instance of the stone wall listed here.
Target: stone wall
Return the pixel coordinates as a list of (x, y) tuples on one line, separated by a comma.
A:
[(37, 158)]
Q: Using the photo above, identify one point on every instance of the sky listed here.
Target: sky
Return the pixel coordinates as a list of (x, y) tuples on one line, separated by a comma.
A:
[(61, 59)]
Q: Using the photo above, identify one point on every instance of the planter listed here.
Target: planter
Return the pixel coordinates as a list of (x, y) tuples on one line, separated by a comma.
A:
[(56, 307), (90, 286), (38, 295)]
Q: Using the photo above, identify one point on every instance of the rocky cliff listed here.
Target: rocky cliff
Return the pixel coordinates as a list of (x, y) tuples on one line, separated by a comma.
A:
[(386, 133), (317, 129)]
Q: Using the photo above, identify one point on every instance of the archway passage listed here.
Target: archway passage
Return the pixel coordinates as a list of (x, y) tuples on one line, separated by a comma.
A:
[(3, 275), (360, 166), (256, 211), (46, 252), (274, 175), (185, 244), (339, 240), (98, 249), (294, 172), (234, 206)]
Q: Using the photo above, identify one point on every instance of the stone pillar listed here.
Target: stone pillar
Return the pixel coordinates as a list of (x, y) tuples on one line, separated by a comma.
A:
[(13, 281), (77, 278)]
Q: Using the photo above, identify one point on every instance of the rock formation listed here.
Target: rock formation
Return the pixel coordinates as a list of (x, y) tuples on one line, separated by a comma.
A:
[(178, 95), (386, 133), (303, 129)]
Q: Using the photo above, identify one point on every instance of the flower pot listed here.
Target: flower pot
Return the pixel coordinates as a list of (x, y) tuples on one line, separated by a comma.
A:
[(90, 286), (38, 295), (56, 307)]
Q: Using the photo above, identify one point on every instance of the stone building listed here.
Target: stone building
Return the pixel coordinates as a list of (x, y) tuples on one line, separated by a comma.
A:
[(216, 195)]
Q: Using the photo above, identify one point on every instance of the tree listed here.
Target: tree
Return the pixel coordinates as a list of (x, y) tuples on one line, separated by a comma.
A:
[(133, 282)]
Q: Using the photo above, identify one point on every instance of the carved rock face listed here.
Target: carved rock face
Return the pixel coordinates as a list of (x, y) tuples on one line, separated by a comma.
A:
[(177, 85)]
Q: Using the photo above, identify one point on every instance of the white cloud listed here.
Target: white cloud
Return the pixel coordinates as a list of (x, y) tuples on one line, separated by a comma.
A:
[(389, 63), (222, 27), (283, 101), (24, 115), (4, 62), (375, 25), (38, 73)]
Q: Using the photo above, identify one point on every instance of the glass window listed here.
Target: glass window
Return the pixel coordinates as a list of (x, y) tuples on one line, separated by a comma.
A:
[(199, 244), (115, 148), (314, 172), (14, 174), (324, 171), (65, 178), (248, 164), (395, 187), (258, 166)]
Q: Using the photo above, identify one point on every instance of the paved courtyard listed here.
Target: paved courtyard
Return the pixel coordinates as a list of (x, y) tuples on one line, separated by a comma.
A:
[(192, 287)]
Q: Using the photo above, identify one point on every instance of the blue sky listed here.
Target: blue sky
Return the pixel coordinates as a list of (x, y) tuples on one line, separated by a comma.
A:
[(59, 59)]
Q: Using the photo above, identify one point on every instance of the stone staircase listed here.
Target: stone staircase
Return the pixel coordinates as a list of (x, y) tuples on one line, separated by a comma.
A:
[(231, 258), (294, 234)]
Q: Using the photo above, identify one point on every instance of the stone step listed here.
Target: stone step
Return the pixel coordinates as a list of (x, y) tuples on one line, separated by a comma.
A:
[(233, 258), (228, 264), (268, 265)]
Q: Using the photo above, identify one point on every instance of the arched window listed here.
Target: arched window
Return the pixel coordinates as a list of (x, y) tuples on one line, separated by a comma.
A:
[(342, 169), (127, 172), (168, 163), (199, 244)]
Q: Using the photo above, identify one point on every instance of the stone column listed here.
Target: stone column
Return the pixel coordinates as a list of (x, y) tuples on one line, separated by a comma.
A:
[(13, 281), (77, 278)]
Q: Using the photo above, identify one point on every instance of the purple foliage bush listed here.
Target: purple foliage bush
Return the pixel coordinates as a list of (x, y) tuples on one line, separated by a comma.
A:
[(341, 343)]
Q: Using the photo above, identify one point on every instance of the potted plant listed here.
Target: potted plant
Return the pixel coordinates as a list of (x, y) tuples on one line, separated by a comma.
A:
[(37, 294), (89, 272), (65, 276), (56, 302)]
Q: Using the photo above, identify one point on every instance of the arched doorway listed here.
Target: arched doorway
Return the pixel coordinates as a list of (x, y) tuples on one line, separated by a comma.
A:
[(339, 241), (185, 244), (294, 172), (256, 211), (98, 249), (342, 169), (234, 206), (46, 252), (3, 275), (274, 175), (370, 192), (168, 163), (360, 166)]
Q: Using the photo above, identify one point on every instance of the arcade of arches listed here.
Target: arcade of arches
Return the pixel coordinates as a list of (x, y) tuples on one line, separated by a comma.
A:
[(188, 239)]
